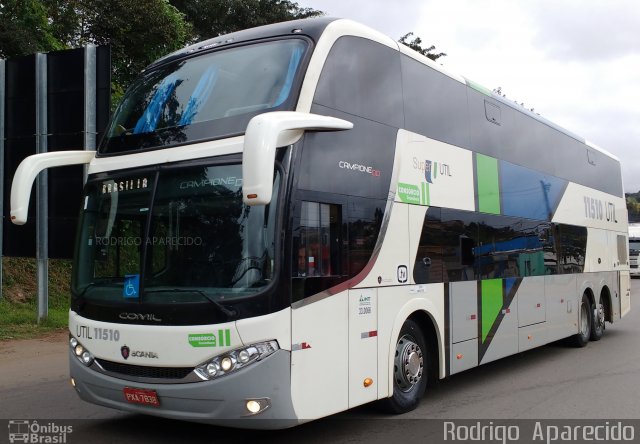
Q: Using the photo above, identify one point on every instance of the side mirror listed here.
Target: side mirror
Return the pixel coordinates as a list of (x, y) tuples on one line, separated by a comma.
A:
[(29, 169), (266, 132)]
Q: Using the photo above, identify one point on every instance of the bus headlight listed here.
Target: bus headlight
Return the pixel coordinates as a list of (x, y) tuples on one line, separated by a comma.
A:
[(234, 360), (80, 352)]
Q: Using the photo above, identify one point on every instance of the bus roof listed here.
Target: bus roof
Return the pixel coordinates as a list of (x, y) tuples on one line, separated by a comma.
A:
[(315, 27)]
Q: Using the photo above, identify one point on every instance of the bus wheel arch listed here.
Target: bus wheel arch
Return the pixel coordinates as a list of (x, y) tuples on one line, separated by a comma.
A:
[(415, 362)]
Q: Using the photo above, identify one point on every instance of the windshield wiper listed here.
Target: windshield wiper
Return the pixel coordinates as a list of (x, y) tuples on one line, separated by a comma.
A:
[(224, 310)]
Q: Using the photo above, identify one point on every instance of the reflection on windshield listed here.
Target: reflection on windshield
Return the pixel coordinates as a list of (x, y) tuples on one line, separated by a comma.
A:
[(202, 242), (205, 96)]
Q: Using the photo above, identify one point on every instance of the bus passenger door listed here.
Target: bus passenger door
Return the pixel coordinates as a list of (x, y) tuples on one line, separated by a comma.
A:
[(319, 329), (363, 346)]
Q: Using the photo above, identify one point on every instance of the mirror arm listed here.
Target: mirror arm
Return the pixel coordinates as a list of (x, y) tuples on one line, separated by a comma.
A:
[(29, 169)]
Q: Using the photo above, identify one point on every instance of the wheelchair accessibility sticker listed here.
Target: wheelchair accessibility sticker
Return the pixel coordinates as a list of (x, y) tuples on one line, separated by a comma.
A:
[(131, 288)]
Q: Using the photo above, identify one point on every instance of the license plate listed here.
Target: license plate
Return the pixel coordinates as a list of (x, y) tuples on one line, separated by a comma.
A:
[(141, 396)]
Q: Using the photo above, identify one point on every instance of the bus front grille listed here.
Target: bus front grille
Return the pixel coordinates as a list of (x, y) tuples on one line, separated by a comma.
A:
[(142, 373)]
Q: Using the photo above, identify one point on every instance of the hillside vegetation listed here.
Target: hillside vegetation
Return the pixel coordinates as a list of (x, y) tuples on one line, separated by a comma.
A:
[(19, 303)]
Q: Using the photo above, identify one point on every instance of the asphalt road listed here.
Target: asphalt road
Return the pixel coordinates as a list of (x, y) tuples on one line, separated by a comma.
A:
[(600, 381)]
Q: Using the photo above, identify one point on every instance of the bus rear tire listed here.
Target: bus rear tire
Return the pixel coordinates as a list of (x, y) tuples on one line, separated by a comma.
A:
[(597, 320), (409, 370), (585, 313)]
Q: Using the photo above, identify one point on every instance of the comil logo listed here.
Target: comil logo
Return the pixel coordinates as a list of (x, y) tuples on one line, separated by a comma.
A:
[(33, 432)]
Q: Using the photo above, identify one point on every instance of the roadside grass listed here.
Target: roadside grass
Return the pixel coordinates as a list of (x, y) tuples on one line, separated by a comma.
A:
[(19, 303)]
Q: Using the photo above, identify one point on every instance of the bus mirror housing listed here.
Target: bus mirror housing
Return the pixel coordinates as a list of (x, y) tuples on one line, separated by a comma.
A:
[(264, 134), (29, 169)]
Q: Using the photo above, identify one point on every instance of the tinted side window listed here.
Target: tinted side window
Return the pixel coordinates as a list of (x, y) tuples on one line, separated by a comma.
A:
[(365, 220), (512, 247), (317, 248), (332, 242), (573, 247), (362, 77), (435, 104), (460, 245)]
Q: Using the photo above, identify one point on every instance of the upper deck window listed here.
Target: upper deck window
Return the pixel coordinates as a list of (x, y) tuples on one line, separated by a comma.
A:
[(204, 97)]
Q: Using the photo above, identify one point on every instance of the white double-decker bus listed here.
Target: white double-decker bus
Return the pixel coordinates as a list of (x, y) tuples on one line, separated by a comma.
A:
[(294, 220)]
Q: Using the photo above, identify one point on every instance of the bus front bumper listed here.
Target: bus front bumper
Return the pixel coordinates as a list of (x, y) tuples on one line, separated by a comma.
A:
[(221, 401)]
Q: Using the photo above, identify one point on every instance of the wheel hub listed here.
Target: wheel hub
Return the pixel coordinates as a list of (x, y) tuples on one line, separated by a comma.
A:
[(584, 320), (599, 315), (408, 363)]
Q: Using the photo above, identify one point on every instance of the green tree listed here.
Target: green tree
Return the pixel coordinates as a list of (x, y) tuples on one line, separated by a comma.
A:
[(416, 45), (25, 28), (139, 31), (633, 206), (216, 17)]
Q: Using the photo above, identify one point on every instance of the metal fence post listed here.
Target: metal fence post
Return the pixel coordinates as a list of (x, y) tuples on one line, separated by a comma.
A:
[(42, 234), (90, 98), (2, 94)]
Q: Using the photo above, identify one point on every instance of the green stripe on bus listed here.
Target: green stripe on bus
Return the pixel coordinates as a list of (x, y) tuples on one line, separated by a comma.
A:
[(481, 89), (492, 301), (488, 184), (425, 193)]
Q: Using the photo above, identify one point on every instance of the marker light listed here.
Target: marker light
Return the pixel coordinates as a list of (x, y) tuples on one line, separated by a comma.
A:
[(236, 359)]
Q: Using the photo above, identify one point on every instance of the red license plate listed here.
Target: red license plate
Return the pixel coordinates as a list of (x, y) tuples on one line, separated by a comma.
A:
[(141, 396)]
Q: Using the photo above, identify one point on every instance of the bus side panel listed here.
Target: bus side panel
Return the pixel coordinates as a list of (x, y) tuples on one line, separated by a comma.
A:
[(597, 258), (560, 292), (320, 357), (363, 346), (625, 293), (463, 322), (504, 341)]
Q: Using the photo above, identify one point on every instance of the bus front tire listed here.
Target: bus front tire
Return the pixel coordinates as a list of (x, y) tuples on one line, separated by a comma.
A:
[(409, 370), (585, 314)]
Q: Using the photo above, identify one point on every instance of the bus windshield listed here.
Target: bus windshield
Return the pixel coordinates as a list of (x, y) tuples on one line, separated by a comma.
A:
[(208, 96), (174, 236)]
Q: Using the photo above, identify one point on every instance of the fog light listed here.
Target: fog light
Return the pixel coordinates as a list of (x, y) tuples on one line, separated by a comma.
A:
[(73, 382), (79, 349), (253, 406)]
